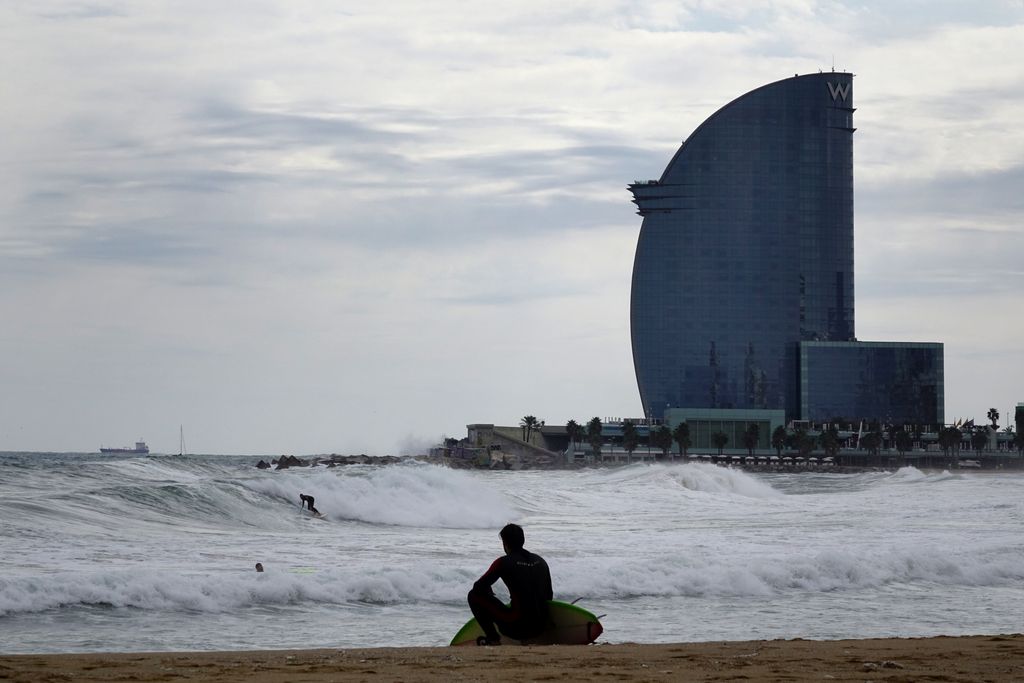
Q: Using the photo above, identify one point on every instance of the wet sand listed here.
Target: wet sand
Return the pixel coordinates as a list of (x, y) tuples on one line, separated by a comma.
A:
[(967, 658)]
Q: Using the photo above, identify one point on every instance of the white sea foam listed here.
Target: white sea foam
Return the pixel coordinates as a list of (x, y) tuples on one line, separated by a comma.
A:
[(707, 478), (695, 477), (435, 582), (833, 570), (222, 592), (912, 475), (408, 495), (99, 556)]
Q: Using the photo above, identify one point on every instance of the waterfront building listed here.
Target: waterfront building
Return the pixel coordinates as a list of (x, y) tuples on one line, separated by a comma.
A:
[(733, 423), (892, 382), (743, 280)]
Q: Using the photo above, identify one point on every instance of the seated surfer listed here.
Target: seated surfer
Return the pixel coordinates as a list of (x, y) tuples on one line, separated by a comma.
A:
[(528, 580), (305, 500)]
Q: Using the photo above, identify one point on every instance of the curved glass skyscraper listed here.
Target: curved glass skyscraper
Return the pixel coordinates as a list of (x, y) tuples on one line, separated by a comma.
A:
[(746, 249), (743, 280)]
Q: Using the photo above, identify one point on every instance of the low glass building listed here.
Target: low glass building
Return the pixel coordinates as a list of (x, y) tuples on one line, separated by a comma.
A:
[(891, 382), (706, 422)]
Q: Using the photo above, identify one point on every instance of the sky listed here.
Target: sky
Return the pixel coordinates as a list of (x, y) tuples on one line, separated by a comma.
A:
[(347, 227)]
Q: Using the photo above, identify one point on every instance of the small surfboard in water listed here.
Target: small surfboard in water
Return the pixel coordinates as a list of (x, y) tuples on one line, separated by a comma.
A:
[(569, 625)]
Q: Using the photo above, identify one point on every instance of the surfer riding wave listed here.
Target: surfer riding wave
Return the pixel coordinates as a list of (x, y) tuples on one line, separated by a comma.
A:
[(307, 500)]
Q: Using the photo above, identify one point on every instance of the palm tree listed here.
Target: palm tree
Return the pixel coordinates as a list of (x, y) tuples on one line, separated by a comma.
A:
[(872, 441), (663, 440), (681, 434), (779, 439), (750, 437), (979, 438), (830, 441), (574, 431), (801, 442), (993, 415), (528, 423), (719, 439), (630, 439), (949, 439), (805, 443), (594, 436), (904, 442)]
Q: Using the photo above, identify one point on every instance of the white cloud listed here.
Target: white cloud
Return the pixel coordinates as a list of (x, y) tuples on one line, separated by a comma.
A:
[(313, 227)]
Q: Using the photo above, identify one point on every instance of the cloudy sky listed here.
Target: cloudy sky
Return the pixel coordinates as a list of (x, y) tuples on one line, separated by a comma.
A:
[(307, 226)]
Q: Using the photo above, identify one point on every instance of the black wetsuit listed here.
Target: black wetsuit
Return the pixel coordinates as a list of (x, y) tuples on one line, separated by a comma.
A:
[(308, 500), (529, 585)]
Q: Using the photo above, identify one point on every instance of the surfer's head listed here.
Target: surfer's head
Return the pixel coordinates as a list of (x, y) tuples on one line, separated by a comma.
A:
[(512, 536)]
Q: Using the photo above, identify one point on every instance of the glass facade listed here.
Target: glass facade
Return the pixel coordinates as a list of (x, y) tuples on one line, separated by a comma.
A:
[(891, 382), (743, 294), (705, 422), (746, 249)]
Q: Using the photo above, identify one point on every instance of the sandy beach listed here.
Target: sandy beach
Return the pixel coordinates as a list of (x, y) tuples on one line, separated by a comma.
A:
[(967, 658)]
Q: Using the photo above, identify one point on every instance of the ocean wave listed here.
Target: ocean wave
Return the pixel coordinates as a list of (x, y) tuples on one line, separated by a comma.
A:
[(411, 494), (708, 478), (758, 577), (443, 583), (691, 477), (912, 475), (223, 592), (179, 493), (209, 503)]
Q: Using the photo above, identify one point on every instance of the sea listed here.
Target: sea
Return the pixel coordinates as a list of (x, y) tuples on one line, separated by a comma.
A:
[(103, 553)]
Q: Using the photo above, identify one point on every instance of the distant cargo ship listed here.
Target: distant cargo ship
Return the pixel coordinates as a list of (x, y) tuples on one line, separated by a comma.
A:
[(140, 447)]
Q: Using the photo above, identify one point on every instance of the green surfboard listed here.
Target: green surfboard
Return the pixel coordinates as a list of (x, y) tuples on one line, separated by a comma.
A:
[(569, 625)]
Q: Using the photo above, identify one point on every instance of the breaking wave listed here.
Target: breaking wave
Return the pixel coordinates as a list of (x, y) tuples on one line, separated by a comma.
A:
[(441, 583), (405, 495)]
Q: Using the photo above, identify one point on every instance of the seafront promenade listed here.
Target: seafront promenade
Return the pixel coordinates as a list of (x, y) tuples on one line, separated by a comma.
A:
[(489, 446), (761, 460), (845, 459), (532, 458)]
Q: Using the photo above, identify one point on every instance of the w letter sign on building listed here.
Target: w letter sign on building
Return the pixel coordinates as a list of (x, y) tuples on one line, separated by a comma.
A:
[(839, 90)]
